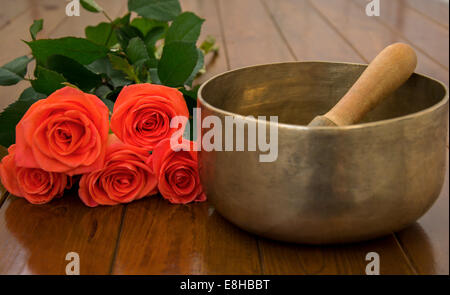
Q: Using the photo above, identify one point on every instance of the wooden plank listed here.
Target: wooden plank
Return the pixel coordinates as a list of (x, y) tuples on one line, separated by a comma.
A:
[(282, 258), (428, 36), (160, 238), (36, 239), (368, 35), (308, 34), (426, 242), (312, 37), (436, 10), (56, 24), (11, 11), (53, 13), (250, 35)]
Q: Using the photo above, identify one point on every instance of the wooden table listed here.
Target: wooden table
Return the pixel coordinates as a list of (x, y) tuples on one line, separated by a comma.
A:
[(153, 237)]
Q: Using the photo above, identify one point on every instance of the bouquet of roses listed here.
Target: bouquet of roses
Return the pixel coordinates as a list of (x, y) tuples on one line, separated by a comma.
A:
[(99, 108), (67, 134)]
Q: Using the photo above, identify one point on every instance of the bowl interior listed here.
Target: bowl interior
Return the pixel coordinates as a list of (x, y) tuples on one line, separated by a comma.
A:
[(297, 92)]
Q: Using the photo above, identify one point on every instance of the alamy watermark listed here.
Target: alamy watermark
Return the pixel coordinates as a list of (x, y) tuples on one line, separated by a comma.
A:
[(262, 135), (373, 8), (73, 267), (373, 267), (73, 8)]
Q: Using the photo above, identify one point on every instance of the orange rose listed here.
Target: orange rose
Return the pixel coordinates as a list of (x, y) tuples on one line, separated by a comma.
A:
[(124, 178), (142, 114), (66, 132), (177, 172), (34, 184)]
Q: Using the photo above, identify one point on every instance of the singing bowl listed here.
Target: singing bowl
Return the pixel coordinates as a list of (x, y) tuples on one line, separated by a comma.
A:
[(328, 184)]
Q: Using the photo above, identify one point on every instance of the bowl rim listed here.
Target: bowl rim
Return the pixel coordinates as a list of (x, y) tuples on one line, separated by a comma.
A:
[(423, 112)]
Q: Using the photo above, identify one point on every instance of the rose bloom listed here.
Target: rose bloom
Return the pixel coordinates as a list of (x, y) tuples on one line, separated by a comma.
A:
[(142, 114), (66, 132), (124, 178), (34, 184), (177, 172)]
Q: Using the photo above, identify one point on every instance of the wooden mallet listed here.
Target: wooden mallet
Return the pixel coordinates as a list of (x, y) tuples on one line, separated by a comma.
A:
[(387, 72)]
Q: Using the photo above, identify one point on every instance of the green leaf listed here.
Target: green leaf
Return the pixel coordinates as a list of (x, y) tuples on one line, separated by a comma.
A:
[(104, 67), (114, 94), (208, 45), (191, 93), (137, 51), (102, 91), (36, 27), (153, 72), (3, 153), (74, 72), (9, 119), (186, 27), (30, 93), (101, 34), (18, 66), (109, 104), (177, 63), (198, 67), (14, 71), (154, 35), (121, 64), (9, 78), (145, 25), (91, 5), (125, 34), (78, 49), (122, 21), (68, 84), (162, 10), (190, 96), (47, 81)]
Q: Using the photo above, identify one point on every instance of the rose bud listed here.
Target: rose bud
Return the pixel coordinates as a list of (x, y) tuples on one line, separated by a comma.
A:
[(66, 132), (142, 114), (177, 172), (124, 178), (37, 186)]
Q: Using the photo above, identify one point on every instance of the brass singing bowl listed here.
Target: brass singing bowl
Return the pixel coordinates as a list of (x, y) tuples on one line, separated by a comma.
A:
[(329, 184)]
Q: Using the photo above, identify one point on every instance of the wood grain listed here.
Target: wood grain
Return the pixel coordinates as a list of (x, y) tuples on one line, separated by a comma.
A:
[(39, 244), (152, 236), (36, 239), (308, 34), (368, 35), (160, 238), (17, 29), (435, 10), (429, 37), (250, 35), (10, 12), (282, 258), (56, 24)]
